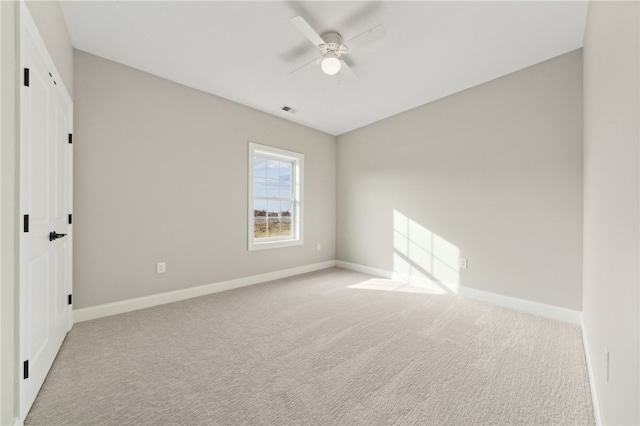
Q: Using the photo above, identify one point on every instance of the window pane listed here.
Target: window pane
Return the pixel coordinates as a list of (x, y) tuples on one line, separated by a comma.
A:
[(285, 226), (286, 218), (274, 208), (286, 208), (260, 227), (259, 166), (259, 187), (273, 168), (279, 227), (279, 219), (285, 170), (273, 187), (285, 179), (259, 208), (285, 189), (274, 228)]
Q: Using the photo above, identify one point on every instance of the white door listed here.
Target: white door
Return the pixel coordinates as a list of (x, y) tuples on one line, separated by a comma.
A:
[(45, 208)]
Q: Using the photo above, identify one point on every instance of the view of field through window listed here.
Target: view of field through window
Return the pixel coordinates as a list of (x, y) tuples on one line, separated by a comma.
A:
[(273, 197)]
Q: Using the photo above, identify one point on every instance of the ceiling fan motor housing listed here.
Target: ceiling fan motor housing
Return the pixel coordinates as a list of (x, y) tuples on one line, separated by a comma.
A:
[(333, 45)]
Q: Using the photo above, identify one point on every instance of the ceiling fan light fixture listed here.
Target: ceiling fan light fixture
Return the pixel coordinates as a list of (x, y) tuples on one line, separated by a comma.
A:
[(330, 65)]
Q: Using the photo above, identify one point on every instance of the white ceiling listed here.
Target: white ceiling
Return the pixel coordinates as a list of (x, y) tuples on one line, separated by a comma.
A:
[(244, 51)]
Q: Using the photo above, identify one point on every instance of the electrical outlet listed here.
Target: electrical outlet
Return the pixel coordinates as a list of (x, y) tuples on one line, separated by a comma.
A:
[(161, 267), (319, 247), (606, 363), (464, 263)]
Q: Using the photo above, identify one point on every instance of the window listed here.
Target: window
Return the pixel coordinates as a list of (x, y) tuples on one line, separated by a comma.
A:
[(275, 197)]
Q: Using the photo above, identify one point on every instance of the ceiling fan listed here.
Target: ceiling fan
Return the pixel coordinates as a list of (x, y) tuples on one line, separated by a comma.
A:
[(332, 47)]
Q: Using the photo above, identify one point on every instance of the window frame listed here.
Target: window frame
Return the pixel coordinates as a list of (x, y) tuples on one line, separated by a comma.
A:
[(297, 181)]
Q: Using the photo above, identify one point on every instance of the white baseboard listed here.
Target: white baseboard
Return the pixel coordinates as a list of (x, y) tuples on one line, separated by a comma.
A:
[(108, 309), (595, 400), (548, 311), (364, 269)]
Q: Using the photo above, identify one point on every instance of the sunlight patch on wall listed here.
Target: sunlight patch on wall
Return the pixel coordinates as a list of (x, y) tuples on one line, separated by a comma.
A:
[(422, 257)]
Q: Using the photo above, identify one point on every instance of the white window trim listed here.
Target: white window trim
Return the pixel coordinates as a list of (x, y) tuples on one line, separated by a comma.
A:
[(298, 186)]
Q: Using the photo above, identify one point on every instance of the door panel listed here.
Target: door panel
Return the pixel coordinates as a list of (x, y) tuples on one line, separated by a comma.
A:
[(60, 162), (45, 195), (35, 147), (38, 281), (60, 283)]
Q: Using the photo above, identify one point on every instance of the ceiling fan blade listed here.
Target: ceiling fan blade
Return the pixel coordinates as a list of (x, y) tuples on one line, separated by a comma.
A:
[(306, 30), (306, 67), (347, 72), (371, 35)]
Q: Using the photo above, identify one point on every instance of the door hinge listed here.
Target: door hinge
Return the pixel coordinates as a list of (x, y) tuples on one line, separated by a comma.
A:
[(70, 218), (70, 138), (25, 369), (70, 299), (26, 223), (26, 77)]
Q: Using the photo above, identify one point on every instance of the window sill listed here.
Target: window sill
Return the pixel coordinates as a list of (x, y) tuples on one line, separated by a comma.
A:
[(274, 244)]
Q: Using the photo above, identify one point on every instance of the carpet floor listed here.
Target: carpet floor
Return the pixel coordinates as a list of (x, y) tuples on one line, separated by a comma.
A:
[(332, 347)]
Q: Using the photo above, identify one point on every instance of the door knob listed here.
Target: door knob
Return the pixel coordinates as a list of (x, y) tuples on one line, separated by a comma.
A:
[(54, 235)]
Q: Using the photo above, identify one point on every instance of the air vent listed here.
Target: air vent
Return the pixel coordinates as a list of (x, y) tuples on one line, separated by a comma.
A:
[(287, 108)]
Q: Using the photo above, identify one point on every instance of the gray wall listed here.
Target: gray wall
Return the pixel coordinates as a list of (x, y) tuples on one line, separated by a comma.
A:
[(161, 175), (494, 171), (611, 204)]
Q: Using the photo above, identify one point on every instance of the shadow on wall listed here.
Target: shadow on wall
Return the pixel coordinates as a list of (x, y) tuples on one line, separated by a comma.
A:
[(423, 261)]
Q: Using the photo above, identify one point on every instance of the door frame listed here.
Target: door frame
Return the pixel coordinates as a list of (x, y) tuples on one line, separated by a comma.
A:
[(9, 135)]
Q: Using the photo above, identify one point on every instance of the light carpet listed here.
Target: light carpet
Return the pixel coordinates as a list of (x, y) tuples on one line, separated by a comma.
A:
[(324, 348)]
